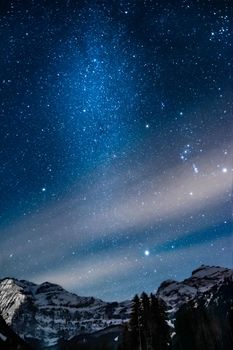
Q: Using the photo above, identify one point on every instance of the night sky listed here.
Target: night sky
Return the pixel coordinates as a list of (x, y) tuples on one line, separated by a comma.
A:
[(116, 142)]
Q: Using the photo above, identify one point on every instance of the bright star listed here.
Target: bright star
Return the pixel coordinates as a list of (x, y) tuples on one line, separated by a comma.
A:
[(43, 189), (146, 252), (195, 169), (147, 126), (224, 170)]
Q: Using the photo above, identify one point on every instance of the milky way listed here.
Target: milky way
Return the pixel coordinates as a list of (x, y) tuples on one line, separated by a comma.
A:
[(116, 142)]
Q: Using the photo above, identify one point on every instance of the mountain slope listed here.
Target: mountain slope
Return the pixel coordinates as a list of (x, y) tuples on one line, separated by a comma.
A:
[(202, 280), (9, 340), (205, 323), (198, 309), (48, 312), (108, 338)]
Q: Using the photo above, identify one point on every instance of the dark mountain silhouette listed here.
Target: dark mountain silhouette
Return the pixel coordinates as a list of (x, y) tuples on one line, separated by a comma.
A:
[(9, 340)]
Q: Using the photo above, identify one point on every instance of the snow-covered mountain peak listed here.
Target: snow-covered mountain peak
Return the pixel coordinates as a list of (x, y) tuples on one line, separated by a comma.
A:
[(48, 312), (213, 272), (202, 280), (206, 277), (47, 287)]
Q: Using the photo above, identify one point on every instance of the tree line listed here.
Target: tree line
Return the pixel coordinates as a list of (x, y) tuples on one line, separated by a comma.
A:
[(147, 328)]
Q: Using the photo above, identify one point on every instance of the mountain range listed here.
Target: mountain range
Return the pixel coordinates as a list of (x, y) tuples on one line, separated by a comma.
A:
[(47, 315)]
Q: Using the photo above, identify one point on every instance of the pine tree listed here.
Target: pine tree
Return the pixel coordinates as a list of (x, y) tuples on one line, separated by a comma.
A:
[(159, 327), (147, 328), (146, 321), (135, 325)]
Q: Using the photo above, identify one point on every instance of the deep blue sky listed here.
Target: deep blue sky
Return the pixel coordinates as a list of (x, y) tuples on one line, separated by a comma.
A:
[(116, 141)]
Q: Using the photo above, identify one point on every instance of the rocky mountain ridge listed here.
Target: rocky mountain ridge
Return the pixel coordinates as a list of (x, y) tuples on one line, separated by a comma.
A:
[(49, 313), (202, 280)]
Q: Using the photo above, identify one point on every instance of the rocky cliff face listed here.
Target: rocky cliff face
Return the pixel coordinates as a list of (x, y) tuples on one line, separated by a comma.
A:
[(48, 313)]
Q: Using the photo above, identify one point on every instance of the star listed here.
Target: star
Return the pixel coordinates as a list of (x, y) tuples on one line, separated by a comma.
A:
[(146, 252), (224, 170), (195, 169)]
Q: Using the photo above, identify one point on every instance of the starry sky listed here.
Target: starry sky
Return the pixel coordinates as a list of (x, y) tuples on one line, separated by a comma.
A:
[(116, 141)]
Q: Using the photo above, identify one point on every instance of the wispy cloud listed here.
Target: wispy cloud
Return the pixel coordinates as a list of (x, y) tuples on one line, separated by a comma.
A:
[(89, 215)]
